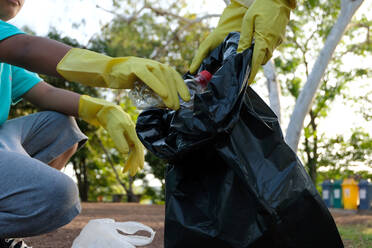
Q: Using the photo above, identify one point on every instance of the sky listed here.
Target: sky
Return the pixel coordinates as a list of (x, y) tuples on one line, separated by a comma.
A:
[(62, 14), (40, 15)]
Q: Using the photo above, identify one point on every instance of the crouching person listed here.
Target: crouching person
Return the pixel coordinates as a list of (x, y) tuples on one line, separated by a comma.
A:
[(35, 197)]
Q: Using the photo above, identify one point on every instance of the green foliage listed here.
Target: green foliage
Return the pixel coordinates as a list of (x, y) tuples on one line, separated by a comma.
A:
[(339, 156), (308, 29), (152, 32), (294, 86), (157, 31), (157, 168), (83, 161), (90, 163), (366, 108), (154, 195)]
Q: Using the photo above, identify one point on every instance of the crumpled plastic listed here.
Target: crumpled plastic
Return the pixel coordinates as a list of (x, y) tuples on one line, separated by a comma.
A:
[(232, 181), (103, 233)]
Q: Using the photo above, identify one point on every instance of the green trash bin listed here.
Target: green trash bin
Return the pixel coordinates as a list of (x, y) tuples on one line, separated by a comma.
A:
[(337, 194)]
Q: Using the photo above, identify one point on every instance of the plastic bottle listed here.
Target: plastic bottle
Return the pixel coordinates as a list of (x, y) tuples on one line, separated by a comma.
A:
[(143, 97)]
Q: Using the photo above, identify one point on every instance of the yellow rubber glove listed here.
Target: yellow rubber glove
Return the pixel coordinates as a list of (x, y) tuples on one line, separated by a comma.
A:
[(94, 69), (263, 20), (118, 124), (230, 20)]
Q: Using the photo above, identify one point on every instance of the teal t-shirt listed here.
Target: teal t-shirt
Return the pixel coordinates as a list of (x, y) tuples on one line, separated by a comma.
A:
[(14, 81)]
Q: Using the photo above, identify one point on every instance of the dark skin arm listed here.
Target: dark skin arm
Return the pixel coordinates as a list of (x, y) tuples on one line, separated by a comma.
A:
[(33, 53), (47, 97), (41, 55)]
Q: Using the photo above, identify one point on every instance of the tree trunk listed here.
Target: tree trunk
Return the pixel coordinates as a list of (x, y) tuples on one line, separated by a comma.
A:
[(307, 95), (312, 152), (131, 197), (313, 171), (82, 178), (85, 186), (273, 87)]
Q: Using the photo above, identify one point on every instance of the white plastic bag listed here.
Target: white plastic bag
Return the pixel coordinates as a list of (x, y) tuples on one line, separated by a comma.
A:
[(103, 233)]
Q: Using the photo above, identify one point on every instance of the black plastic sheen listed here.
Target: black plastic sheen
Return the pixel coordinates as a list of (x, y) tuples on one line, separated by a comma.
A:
[(232, 181)]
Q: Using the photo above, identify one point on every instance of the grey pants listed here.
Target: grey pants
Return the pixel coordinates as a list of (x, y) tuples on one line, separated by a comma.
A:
[(34, 197)]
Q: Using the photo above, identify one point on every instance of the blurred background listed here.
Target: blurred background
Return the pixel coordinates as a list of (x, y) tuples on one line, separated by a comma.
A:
[(335, 143)]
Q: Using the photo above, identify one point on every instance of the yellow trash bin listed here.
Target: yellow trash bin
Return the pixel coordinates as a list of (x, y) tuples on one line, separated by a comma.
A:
[(350, 194)]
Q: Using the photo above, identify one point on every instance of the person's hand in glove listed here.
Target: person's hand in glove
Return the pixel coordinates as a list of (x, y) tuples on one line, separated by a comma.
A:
[(96, 69), (53, 58), (263, 21), (118, 124)]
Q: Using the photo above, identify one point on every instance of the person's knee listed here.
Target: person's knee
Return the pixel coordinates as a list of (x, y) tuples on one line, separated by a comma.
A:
[(64, 196), (54, 203), (61, 119), (63, 203)]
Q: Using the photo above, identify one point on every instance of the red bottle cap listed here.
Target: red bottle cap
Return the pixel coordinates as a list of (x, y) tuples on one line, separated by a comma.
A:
[(204, 77)]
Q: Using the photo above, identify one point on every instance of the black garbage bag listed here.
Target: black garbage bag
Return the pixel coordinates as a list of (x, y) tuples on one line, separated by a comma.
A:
[(232, 181)]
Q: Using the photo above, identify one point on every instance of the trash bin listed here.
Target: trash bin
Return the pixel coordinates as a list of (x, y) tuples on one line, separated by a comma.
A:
[(337, 196), (327, 193), (350, 194), (365, 194)]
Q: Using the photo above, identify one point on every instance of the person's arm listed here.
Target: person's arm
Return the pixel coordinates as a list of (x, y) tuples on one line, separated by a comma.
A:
[(96, 112), (34, 53), (48, 97), (53, 58)]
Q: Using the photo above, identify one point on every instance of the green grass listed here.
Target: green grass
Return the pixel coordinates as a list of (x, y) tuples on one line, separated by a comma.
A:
[(356, 236)]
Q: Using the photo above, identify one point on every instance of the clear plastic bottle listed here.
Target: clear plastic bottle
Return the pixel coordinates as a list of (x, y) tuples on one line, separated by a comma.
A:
[(143, 97)]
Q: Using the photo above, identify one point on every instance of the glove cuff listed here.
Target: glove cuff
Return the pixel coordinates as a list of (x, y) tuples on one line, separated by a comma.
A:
[(245, 3), (88, 109), (84, 66)]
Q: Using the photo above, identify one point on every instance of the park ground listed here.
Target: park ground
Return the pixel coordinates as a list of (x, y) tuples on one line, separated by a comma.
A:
[(355, 228)]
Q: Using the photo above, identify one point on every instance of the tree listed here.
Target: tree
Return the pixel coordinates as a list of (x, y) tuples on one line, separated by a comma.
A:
[(294, 68), (151, 30), (340, 156), (115, 160), (158, 167), (311, 100), (156, 30), (307, 95), (322, 13), (273, 88)]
